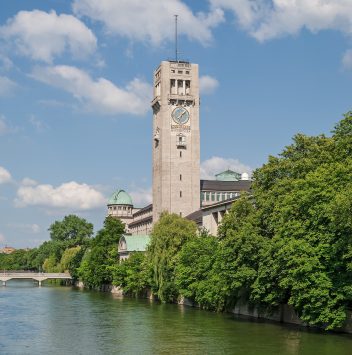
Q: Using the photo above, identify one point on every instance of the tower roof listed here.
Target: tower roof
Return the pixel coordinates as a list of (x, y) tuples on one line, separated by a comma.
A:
[(120, 197)]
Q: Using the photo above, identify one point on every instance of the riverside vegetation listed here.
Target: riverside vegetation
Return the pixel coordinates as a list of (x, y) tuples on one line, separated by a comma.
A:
[(289, 242)]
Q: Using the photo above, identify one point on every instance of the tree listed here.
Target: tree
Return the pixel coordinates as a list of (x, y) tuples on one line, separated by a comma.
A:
[(72, 230), (132, 274), (100, 259), (71, 260), (167, 238), (304, 211), (194, 264)]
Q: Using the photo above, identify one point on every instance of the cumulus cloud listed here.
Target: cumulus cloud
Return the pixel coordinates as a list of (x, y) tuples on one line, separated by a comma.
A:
[(215, 165), (42, 36), (7, 86), (68, 196), (99, 95), (150, 20), (207, 84), (268, 19), (141, 197), (5, 176)]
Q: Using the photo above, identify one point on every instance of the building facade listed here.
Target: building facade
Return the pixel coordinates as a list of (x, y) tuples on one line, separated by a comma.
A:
[(176, 139), (177, 187)]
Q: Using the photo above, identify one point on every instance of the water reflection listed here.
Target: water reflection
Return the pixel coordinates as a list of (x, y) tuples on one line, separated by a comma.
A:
[(62, 320)]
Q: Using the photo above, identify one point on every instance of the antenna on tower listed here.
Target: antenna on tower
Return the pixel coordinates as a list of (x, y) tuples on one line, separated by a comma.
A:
[(176, 49)]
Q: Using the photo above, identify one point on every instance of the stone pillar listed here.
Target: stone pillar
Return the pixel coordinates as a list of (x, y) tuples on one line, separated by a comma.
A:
[(4, 283)]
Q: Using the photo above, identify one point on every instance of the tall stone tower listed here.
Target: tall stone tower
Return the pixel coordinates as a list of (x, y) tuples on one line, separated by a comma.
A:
[(176, 139)]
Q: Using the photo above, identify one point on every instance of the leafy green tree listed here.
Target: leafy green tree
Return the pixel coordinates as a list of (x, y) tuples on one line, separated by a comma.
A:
[(110, 233), (167, 237), (71, 260), (100, 259), (304, 216), (17, 260), (194, 264), (50, 264), (132, 274), (95, 269), (72, 230)]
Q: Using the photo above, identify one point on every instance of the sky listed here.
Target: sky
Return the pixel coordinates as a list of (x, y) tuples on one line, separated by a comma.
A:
[(76, 86)]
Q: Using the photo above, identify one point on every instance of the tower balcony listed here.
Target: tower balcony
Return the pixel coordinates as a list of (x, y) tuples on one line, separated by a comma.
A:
[(186, 97), (181, 145)]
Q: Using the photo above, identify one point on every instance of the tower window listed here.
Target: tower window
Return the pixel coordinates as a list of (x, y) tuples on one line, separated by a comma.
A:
[(180, 177), (188, 86), (181, 140), (180, 214), (180, 193), (180, 153), (173, 86)]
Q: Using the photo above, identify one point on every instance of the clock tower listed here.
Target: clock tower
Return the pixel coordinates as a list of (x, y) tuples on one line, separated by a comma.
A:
[(176, 139)]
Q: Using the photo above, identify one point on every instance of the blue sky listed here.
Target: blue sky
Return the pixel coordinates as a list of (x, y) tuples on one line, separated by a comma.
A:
[(75, 90)]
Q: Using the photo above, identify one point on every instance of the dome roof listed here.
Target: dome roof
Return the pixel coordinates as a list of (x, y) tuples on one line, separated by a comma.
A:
[(120, 197)]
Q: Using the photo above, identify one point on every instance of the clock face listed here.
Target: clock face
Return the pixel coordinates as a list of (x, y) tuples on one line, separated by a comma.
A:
[(180, 115)]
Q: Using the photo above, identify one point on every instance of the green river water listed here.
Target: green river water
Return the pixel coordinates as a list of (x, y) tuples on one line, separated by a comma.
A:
[(63, 320)]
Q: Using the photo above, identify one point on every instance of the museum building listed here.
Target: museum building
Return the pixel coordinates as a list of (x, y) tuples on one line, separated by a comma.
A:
[(177, 187)]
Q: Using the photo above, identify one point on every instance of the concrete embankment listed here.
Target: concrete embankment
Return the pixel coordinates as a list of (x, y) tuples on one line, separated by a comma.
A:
[(282, 314)]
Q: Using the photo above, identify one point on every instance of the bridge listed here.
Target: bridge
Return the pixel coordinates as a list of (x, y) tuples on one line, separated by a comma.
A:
[(37, 276)]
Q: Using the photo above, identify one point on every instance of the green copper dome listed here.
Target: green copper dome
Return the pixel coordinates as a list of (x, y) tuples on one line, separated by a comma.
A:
[(120, 197)]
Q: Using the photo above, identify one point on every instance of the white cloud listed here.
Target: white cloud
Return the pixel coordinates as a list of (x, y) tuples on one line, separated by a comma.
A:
[(265, 19), (207, 84), (68, 196), (28, 182), (141, 197), (347, 59), (42, 36), (150, 20), (7, 86), (97, 95), (5, 176), (215, 165)]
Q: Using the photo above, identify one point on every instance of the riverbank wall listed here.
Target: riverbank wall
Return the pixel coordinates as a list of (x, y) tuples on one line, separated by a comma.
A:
[(283, 314)]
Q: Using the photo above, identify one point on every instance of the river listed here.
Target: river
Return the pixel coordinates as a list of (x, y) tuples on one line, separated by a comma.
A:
[(62, 320)]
